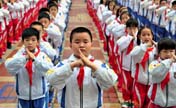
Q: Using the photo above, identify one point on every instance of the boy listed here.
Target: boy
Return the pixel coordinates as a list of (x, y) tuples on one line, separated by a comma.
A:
[(44, 46), (29, 66), (81, 79), (54, 34), (163, 71)]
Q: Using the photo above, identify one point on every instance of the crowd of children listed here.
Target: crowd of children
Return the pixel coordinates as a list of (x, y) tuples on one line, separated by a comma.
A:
[(40, 25), (37, 67), (130, 30)]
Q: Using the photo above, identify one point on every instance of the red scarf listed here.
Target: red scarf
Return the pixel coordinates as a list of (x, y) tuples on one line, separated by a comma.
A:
[(29, 67), (80, 77)]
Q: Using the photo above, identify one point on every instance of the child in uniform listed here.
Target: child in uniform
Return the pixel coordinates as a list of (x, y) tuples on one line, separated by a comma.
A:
[(29, 66), (80, 79)]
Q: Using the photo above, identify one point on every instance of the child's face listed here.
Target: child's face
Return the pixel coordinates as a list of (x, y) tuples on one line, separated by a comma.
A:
[(40, 29), (45, 22), (163, 3), (111, 5), (31, 43), (146, 36), (53, 11), (174, 7), (124, 18), (166, 53), (132, 30), (81, 41)]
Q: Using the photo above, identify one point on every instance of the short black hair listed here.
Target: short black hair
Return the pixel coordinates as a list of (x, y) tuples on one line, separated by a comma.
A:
[(80, 30), (43, 10), (132, 23), (174, 3), (52, 5), (162, 0), (28, 32), (166, 43), (43, 15), (36, 23)]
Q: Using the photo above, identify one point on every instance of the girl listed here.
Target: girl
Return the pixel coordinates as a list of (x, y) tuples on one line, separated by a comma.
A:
[(142, 55), (163, 77)]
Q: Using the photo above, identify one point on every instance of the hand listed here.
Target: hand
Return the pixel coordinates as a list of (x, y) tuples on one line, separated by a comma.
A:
[(173, 58), (29, 54), (87, 62), (77, 63)]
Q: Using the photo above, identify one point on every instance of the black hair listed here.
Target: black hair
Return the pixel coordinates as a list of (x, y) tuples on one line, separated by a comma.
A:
[(28, 32), (36, 23), (43, 15), (166, 43), (162, 0), (43, 10), (132, 23), (52, 5), (80, 30), (139, 33), (108, 3), (124, 12), (101, 1), (173, 3)]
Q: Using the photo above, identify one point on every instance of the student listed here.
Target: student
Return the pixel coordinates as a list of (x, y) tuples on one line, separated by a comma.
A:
[(29, 67), (143, 54), (54, 34), (125, 45), (163, 77), (44, 45), (95, 75), (53, 9)]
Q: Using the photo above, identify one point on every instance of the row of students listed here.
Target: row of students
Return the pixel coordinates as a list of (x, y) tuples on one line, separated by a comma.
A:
[(132, 62), (31, 72), (47, 40), (15, 15), (158, 14)]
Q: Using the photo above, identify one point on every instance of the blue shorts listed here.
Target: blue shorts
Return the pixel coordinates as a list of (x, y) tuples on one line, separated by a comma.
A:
[(37, 103)]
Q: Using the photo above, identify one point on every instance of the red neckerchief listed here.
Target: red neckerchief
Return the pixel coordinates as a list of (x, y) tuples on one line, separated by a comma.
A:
[(146, 57), (29, 67), (80, 76), (44, 37), (130, 47)]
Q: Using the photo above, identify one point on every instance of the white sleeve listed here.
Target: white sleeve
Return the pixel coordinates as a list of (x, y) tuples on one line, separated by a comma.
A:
[(15, 63), (124, 42), (158, 70), (59, 75), (42, 63), (105, 76), (55, 34), (138, 53), (48, 50)]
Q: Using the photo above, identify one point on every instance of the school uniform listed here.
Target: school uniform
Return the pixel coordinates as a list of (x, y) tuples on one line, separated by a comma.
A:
[(65, 80), (163, 80), (30, 91), (55, 36), (142, 56), (125, 45)]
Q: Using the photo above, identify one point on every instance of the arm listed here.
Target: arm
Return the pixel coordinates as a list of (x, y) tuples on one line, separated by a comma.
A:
[(15, 63), (138, 53), (124, 42), (59, 74), (42, 63), (105, 76), (158, 70)]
